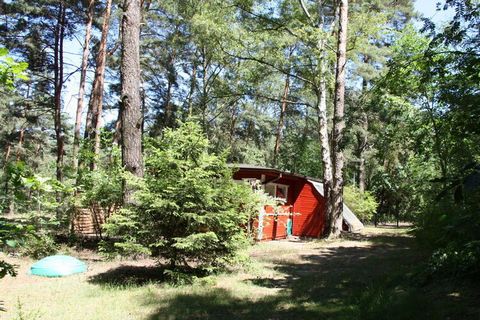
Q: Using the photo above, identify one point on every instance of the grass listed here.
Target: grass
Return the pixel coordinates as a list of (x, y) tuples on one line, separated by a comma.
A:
[(366, 276)]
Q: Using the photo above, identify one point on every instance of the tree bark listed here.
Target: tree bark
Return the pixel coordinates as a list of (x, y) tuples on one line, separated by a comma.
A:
[(362, 139), (281, 120), (169, 110), (322, 115), (325, 146), (339, 122), (21, 140), (131, 116), (193, 82), (83, 80), (96, 100), (58, 80)]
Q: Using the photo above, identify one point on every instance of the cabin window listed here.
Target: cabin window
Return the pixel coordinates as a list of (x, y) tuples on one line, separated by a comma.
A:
[(278, 191)]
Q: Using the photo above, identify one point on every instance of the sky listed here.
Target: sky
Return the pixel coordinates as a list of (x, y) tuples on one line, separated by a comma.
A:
[(73, 53)]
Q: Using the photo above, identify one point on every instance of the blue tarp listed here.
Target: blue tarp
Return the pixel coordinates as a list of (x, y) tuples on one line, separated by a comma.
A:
[(57, 266)]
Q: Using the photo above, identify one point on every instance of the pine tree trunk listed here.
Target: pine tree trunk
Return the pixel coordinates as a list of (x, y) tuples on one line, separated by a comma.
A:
[(281, 120), (339, 122), (131, 116), (21, 140), (58, 80), (169, 119), (96, 100), (362, 139), (193, 84), (83, 80), (362, 147)]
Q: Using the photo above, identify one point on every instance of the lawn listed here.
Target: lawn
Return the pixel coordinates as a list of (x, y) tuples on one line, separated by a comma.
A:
[(365, 276)]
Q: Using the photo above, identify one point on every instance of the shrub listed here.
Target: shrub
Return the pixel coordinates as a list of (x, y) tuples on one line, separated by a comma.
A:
[(188, 209), (450, 230), (456, 262), (38, 245), (363, 204)]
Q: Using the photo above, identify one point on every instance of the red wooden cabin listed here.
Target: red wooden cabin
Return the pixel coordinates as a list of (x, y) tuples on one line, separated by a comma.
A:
[(302, 200), (304, 203)]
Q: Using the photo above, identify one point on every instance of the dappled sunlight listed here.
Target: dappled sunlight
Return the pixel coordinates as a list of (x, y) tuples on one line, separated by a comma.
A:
[(345, 279), (306, 280)]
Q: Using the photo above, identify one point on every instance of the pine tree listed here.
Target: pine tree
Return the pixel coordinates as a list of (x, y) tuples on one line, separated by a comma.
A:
[(131, 110)]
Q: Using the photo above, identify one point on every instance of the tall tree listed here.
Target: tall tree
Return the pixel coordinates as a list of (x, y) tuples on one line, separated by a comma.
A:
[(131, 108), (281, 119), (95, 107), (339, 122), (58, 82), (83, 80)]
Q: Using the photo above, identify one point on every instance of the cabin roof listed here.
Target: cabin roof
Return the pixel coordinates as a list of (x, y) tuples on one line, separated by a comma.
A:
[(251, 167)]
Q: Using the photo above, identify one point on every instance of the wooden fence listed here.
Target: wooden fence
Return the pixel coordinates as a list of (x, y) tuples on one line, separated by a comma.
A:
[(88, 221)]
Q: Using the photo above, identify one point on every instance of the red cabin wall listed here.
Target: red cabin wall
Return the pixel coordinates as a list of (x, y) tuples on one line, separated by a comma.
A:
[(309, 205), (311, 208)]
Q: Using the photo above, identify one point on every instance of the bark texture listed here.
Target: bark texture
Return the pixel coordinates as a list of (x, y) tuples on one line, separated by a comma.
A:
[(281, 120), (339, 122), (95, 107), (83, 79), (131, 115), (58, 82), (323, 118)]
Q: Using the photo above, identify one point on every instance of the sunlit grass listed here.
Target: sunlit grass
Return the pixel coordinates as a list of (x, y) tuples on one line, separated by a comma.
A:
[(352, 278)]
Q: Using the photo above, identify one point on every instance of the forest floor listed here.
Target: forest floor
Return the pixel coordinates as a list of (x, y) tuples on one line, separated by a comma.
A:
[(362, 276)]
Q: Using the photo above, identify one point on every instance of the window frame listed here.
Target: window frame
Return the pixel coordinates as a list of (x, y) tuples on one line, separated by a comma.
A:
[(276, 185)]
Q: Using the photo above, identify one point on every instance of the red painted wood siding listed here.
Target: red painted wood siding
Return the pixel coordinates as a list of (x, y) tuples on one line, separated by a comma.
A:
[(311, 206), (304, 199), (274, 227)]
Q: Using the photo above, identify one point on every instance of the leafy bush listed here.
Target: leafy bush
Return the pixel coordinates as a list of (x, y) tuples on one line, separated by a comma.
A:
[(38, 245), (450, 230), (9, 234), (188, 209), (456, 262), (103, 187), (363, 204)]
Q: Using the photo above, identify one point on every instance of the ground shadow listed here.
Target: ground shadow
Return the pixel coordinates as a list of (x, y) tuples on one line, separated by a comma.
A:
[(334, 283), (126, 276)]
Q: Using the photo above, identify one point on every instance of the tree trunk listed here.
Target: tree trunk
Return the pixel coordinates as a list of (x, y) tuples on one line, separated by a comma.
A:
[(96, 100), (193, 83), (168, 108), (21, 139), (325, 146), (131, 116), (339, 122), (281, 120), (81, 90), (323, 120), (169, 116), (362, 138), (58, 79)]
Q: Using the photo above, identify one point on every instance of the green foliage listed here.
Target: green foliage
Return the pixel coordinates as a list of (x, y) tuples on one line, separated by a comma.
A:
[(10, 70), (450, 230), (188, 209), (453, 261), (363, 204), (10, 233), (103, 187), (38, 245)]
